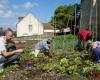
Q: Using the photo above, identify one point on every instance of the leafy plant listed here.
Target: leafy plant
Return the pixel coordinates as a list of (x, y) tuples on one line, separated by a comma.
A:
[(49, 67), (72, 69), (77, 60), (64, 62), (61, 69), (86, 70)]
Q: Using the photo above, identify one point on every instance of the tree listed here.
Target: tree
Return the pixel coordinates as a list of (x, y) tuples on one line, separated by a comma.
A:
[(64, 16), (9, 29), (1, 31)]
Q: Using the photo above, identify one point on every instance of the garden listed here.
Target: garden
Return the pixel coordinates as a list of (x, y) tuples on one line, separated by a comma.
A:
[(66, 63)]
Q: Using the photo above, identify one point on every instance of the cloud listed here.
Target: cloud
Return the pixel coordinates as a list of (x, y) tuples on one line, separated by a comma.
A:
[(10, 14), (4, 24), (4, 1), (8, 24), (1, 12), (1, 6), (7, 14), (35, 4), (29, 5), (26, 5), (15, 6)]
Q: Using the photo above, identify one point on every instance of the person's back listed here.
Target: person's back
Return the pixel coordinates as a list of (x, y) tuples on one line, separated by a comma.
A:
[(83, 34), (41, 44), (43, 47)]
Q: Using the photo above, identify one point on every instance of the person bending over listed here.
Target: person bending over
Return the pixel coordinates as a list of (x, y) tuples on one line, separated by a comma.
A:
[(96, 50), (43, 47), (83, 37)]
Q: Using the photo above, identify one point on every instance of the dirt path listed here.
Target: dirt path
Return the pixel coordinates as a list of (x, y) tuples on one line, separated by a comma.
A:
[(22, 44)]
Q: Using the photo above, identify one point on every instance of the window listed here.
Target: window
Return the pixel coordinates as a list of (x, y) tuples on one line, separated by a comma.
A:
[(30, 28)]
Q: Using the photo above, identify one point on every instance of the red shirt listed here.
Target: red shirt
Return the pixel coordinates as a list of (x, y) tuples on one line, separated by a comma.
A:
[(84, 34)]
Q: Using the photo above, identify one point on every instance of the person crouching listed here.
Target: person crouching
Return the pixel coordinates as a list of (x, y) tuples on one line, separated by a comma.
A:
[(43, 47)]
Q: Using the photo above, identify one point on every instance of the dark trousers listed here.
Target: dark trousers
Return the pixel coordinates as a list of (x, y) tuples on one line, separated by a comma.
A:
[(79, 44), (10, 47), (96, 52)]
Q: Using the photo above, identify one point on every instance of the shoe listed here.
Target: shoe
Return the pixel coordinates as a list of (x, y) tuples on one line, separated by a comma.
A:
[(15, 62)]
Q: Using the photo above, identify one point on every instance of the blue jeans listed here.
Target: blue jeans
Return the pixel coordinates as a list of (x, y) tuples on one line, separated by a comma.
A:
[(79, 44), (10, 59), (96, 51)]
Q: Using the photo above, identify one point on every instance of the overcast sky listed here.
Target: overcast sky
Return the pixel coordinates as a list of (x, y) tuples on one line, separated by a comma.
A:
[(10, 10)]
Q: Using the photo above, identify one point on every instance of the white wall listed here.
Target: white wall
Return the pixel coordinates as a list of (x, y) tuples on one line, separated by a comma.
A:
[(23, 26), (51, 31)]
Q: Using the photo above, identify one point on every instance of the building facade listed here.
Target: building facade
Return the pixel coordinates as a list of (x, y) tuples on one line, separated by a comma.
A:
[(29, 26)]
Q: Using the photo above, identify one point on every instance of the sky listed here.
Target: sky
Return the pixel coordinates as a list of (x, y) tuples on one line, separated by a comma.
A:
[(10, 10)]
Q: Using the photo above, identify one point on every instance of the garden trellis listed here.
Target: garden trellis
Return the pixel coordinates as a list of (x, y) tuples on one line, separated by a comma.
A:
[(64, 38), (89, 16), (94, 3), (92, 26)]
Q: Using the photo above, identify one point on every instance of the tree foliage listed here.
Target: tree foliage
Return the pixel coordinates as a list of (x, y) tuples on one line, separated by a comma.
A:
[(64, 16)]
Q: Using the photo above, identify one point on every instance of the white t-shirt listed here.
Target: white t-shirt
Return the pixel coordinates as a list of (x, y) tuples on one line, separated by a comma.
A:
[(97, 43), (2, 44)]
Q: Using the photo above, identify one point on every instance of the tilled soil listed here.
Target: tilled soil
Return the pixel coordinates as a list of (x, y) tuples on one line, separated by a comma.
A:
[(27, 42), (33, 74)]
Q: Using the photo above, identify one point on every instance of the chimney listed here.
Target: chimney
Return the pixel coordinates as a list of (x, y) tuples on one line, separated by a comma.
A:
[(20, 18)]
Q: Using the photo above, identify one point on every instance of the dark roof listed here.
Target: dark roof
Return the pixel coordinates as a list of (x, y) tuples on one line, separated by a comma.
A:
[(47, 26)]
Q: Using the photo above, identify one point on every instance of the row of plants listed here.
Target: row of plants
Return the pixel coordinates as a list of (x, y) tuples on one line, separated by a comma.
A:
[(74, 63), (64, 63)]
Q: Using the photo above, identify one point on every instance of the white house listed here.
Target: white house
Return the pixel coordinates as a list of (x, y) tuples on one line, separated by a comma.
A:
[(48, 28), (28, 26)]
